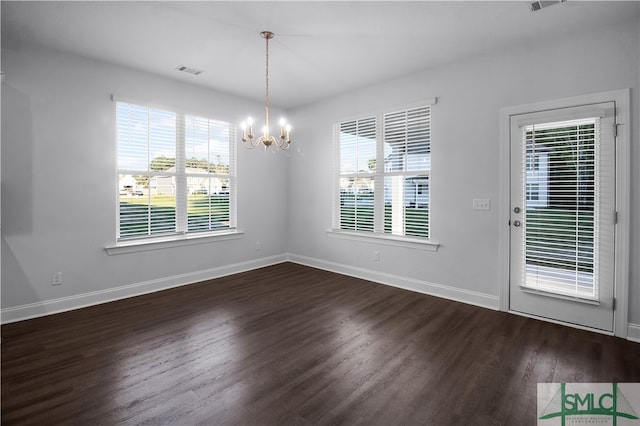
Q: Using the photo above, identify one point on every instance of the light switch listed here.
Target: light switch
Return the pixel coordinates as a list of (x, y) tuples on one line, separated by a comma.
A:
[(481, 204)]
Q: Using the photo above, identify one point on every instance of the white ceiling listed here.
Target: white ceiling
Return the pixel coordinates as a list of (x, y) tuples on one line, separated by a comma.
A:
[(320, 48)]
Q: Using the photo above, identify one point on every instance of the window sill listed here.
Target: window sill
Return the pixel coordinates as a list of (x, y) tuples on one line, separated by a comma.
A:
[(155, 243), (390, 240)]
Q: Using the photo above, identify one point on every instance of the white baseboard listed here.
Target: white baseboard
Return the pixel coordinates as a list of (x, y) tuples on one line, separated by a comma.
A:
[(48, 307), (446, 292), (633, 332)]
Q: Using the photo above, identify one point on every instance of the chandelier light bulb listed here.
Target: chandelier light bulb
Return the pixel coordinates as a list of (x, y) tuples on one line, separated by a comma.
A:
[(288, 129)]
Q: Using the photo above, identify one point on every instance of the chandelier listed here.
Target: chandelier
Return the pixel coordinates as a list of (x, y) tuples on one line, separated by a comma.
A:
[(284, 141)]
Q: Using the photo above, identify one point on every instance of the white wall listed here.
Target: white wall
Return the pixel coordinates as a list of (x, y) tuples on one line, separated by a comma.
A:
[(57, 124), (465, 158), (59, 182)]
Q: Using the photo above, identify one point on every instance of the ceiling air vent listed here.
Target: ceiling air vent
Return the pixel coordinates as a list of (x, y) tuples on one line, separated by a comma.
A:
[(189, 70), (537, 5)]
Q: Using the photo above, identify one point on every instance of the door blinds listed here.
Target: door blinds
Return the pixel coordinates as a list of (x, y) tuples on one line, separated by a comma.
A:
[(561, 197)]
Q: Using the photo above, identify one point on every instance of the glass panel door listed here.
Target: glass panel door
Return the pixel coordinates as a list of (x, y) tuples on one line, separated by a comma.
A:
[(562, 215)]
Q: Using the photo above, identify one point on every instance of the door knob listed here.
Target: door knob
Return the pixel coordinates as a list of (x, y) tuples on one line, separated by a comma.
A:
[(516, 210), (516, 223)]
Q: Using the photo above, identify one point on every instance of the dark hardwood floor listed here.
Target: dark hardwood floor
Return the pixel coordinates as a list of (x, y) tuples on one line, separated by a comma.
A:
[(292, 345)]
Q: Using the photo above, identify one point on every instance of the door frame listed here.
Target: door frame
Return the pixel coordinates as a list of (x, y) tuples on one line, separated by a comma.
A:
[(621, 98)]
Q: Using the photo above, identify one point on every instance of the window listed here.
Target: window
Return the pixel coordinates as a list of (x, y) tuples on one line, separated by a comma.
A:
[(175, 173), (383, 165), (533, 192), (561, 234)]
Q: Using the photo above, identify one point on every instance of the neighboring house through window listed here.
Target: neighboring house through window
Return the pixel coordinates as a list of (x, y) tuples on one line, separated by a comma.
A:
[(383, 165), (537, 169), (176, 172)]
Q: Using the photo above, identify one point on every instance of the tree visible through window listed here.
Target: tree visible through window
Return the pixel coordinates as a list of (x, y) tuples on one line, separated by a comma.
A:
[(175, 172)]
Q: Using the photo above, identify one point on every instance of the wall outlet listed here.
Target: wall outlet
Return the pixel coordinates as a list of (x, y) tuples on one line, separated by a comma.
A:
[(376, 256), (56, 278), (481, 204)]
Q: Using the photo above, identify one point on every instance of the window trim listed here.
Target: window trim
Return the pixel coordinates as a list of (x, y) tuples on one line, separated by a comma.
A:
[(429, 243), (180, 237), (174, 240), (386, 239)]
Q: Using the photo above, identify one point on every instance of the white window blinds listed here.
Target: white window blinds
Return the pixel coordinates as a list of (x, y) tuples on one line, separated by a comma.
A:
[(383, 165), (561, 192), (175, 172), (208, 167), (357, 155), (407, 163)]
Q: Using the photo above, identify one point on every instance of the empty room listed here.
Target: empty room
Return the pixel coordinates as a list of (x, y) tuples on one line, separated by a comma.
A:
[(320, 212)]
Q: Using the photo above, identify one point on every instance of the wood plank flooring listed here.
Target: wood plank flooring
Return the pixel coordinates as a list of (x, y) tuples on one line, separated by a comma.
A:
[(293, 345)]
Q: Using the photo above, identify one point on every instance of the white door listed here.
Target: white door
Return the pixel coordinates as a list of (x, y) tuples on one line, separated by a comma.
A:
[(562, 220)]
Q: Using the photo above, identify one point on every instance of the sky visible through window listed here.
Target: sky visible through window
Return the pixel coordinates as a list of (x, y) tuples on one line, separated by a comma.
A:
[(145, 134)]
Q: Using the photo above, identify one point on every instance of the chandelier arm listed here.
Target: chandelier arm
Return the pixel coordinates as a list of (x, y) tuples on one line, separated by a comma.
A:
[(282, 143), (250, 144)]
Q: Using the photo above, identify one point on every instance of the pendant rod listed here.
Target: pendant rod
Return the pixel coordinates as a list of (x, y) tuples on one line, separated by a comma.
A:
[(267, 35)]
